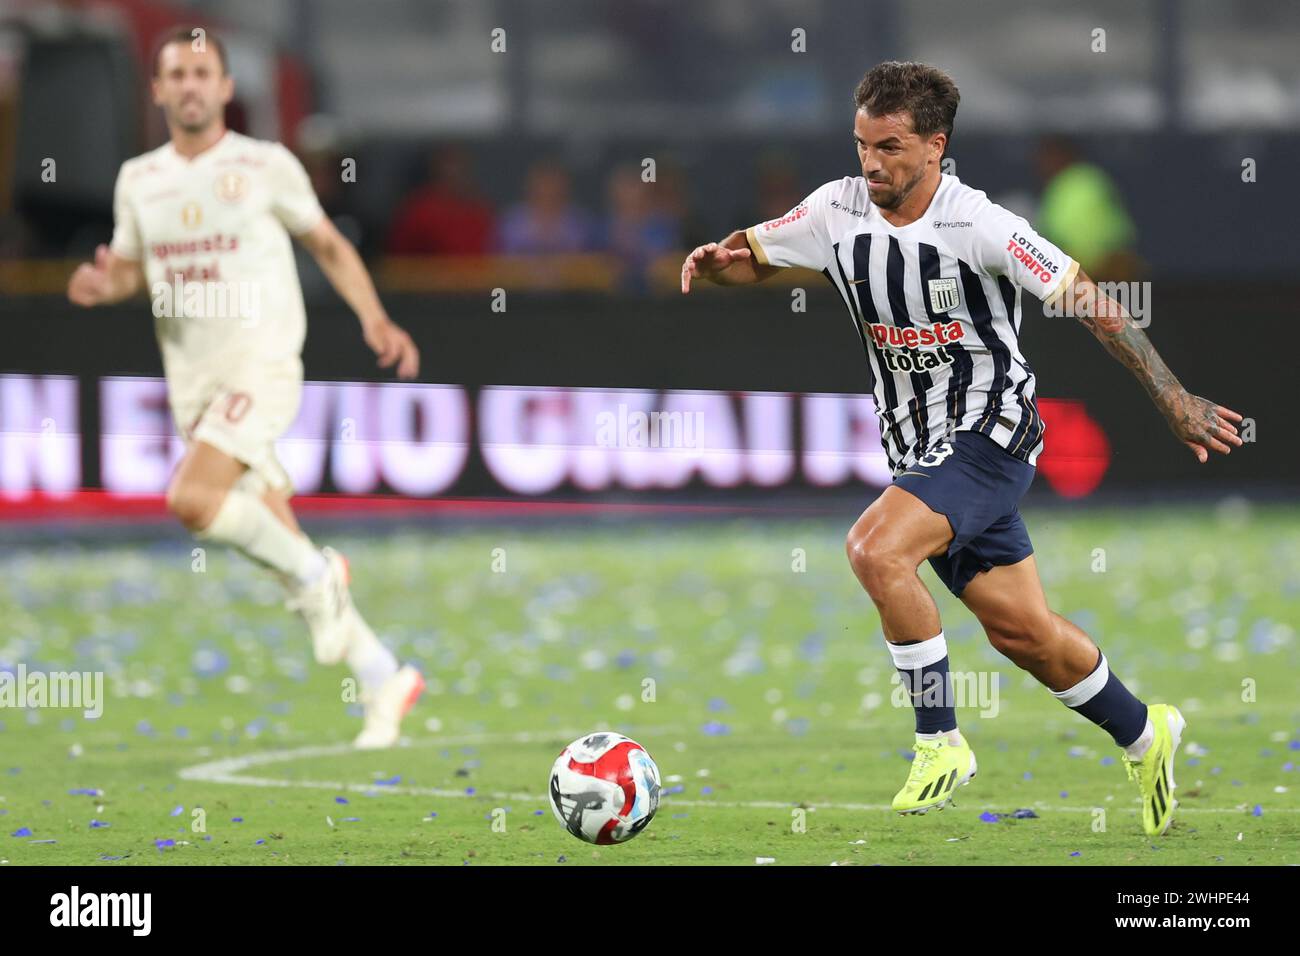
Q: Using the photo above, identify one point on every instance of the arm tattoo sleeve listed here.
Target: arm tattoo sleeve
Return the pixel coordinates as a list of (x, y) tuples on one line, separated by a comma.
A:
[(1112, 326)]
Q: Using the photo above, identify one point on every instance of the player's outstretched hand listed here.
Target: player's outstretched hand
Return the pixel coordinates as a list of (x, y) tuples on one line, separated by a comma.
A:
[(89, 285), (393, 345), (1203, 425), (709, 259)]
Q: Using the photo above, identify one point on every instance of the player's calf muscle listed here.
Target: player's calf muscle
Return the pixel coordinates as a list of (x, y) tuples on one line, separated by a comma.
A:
[(194, 503), (200, 485)]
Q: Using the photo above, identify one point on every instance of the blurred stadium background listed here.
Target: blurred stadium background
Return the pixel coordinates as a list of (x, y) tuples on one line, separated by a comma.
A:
[(1157, 138), (502, 202)]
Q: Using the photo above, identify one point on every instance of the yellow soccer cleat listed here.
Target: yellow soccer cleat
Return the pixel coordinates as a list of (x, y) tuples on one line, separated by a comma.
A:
[(938, 769), (1155, 771)]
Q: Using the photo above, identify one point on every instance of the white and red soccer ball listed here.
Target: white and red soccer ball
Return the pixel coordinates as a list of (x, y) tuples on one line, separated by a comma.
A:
[(604, 788)]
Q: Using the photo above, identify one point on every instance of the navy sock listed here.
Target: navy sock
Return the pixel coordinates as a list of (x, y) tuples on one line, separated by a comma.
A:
[(1103, 699), (923, 670)]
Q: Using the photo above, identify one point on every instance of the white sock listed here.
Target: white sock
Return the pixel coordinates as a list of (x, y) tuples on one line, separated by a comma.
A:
[(1138, 748), (369, 659), (954, 736), (245, 522)]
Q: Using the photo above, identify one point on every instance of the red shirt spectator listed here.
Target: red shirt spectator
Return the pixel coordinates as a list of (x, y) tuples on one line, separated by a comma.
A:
[(445, 217)]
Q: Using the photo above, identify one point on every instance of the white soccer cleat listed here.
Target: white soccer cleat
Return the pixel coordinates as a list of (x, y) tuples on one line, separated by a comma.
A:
[(384, 712), (326, 606)]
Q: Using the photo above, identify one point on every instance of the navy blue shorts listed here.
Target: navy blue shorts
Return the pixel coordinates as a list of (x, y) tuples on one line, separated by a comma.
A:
[(974, 483)]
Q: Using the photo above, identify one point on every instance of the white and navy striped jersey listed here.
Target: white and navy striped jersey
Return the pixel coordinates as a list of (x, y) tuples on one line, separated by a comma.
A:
[(937, 305)]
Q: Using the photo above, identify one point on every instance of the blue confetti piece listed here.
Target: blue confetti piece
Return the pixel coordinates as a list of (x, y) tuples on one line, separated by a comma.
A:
[(717, 704), (98, 824), (340, 799), (1258, 811), (538, 813), (987, 817), (177, 812), (1024, 814), (236, 819), (85, 792), (1193, 761), (351, 819), (258, 842), (1107, 761), (22, 832), (1027, 776), (164, 844), (1293, 745), (679, 788), (1064, 794), (706, 790), (1288, 767), (715, 729), (104, 857), (469, 791), (390, 782), (1076, 853)]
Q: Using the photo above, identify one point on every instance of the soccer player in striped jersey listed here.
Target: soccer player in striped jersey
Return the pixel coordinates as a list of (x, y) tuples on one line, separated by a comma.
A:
[(931, 273), (213, 211)]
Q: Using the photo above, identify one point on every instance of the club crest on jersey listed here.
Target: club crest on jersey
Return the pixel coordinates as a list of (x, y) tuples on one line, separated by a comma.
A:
[(231, 186), (191, 215), (943, 295)]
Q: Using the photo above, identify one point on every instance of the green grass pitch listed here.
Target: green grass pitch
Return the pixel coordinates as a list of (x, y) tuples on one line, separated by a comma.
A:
[(772, 716)]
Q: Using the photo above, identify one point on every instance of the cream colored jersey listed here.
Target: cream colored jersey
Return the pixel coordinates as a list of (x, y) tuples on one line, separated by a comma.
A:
[(213, 236)]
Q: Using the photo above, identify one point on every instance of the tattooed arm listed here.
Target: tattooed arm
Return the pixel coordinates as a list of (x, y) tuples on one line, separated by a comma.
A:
[(1201, 425)]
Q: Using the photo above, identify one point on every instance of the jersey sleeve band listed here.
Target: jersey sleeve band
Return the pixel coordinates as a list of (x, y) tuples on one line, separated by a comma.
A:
[(751, 236), (1065, 283)]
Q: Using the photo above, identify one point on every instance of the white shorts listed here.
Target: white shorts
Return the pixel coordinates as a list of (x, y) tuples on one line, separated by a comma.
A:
[(240, 411)]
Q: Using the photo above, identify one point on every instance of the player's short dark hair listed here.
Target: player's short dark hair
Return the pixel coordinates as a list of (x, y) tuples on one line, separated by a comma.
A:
[(926, 93), (186, 35)]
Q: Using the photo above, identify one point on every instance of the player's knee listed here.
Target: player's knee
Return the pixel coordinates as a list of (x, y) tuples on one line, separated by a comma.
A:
[(876, 563), (194, 505)]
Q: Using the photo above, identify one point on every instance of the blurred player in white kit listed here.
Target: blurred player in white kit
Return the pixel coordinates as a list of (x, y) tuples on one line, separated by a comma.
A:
[(203, 223)]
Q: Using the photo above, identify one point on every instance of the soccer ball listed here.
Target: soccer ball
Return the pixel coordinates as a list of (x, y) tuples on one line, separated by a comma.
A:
[(604, 788)]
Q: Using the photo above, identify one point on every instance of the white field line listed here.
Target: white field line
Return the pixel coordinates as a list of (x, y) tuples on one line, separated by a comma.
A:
[(231, 771)]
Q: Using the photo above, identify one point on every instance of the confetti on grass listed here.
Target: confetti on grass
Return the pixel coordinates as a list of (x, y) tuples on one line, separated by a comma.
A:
[(1023, 813)]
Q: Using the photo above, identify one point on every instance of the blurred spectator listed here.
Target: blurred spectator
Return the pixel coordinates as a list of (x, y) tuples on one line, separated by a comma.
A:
[(671, 196), (778, 188), (445, 216), (639, 227), (1082, 212), (546, 222)]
